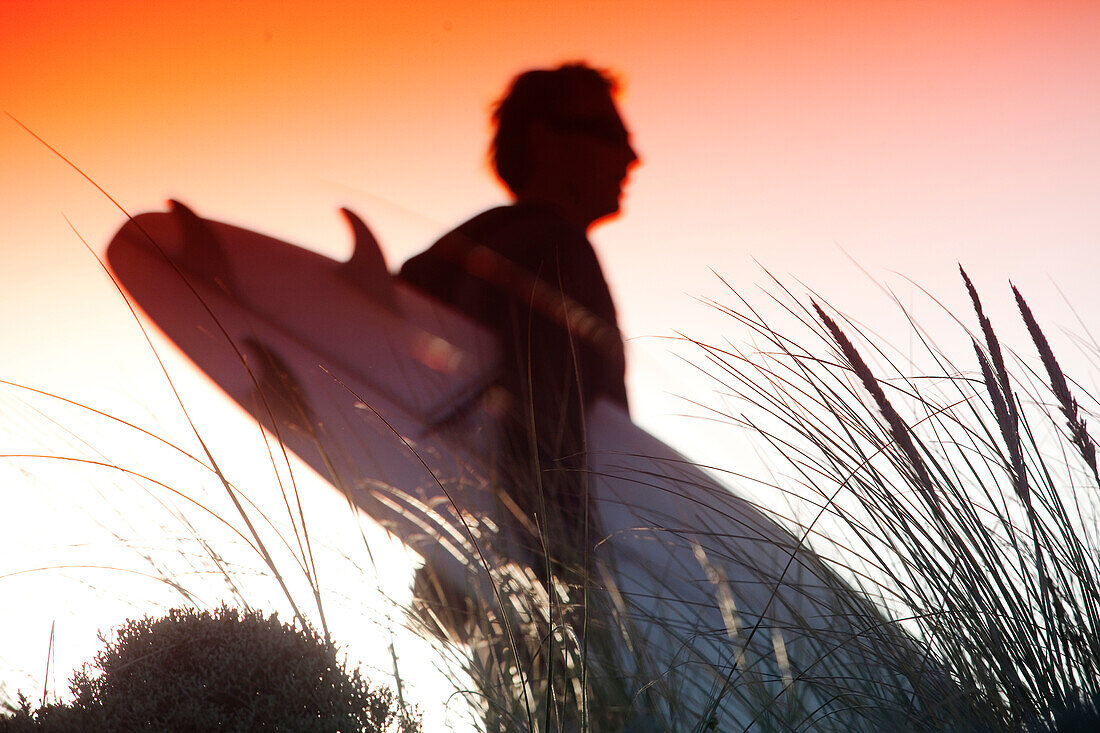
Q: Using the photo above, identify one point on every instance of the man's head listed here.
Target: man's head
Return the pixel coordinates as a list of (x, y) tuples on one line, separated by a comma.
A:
[(560, 140)]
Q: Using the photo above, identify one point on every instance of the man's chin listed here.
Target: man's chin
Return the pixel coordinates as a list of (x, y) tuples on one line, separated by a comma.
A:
[(611, 215)]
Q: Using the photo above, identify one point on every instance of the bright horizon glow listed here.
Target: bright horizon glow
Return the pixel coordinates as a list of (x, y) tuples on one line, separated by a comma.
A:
[(908, 137)]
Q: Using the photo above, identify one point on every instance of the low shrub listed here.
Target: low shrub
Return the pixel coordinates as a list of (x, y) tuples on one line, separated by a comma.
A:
[(224, 670)]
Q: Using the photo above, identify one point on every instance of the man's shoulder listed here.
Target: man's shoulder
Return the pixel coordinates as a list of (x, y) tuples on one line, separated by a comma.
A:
[(518, 222), (520, 232), (435, 269)]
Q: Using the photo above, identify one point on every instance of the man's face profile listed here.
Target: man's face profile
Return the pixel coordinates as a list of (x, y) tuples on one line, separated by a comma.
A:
[(585, 150)]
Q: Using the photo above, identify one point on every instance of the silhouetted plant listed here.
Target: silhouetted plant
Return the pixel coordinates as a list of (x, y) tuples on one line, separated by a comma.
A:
[(226, 671), (963, 500)]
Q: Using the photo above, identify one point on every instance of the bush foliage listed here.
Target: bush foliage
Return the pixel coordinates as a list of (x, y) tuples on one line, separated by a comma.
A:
[(223, 670)]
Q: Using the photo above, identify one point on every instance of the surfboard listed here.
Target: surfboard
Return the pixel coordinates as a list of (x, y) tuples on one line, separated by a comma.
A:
[(716, 612)]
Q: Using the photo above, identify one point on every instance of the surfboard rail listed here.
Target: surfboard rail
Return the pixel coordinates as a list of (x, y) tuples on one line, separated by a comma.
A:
[(379, 389)]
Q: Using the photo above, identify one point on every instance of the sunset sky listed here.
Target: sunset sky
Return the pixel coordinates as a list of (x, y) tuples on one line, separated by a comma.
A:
[(813, 139)]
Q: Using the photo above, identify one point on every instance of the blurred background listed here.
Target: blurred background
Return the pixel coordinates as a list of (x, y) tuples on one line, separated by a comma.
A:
[(860, 150)]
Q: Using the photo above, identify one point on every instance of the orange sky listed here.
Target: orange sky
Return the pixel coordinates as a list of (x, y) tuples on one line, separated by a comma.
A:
[(911, 135)]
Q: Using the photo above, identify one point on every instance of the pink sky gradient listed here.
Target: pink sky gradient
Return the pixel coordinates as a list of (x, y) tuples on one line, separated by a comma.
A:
[(911, 136)]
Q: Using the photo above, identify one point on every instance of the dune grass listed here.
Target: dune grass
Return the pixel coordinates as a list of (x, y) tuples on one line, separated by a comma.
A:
[(963, 499), (953, 511), (961, 502)]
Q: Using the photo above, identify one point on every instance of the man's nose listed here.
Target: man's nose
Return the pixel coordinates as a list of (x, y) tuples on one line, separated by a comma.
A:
[(632, 158)]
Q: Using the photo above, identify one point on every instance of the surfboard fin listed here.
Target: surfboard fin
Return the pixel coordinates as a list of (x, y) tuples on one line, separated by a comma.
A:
[(367, 266), (202, 255)]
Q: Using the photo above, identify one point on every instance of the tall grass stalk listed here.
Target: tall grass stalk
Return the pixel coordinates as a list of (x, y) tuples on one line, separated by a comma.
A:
[(956, 585), (963, 499), (285, 547), (206, 535)]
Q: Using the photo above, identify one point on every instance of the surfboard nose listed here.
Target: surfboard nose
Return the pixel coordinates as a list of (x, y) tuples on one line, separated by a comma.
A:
[(180, 240), (202, 254)]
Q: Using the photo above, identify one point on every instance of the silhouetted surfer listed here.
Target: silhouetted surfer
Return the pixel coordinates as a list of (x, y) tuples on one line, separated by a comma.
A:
[(528, 272)]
